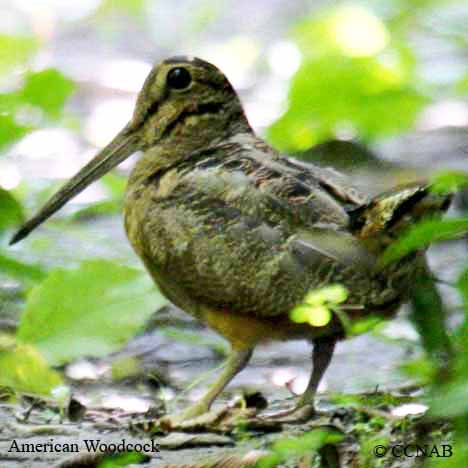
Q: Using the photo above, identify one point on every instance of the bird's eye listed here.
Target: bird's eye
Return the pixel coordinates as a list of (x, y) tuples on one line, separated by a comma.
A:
[(179, 78)]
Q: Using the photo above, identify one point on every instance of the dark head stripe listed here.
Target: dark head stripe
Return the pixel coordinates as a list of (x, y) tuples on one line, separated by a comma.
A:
[(189, 59)]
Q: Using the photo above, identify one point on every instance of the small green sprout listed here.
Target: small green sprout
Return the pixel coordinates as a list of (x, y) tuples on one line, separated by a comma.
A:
[(318, 305)]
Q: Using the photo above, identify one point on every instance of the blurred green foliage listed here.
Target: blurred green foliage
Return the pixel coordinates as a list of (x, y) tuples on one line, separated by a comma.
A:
[(40, 98), (12, 212), (32, 102), (47, 90), (24, 369), (15, 50), (449, 181), (121, 459), (423, 234), (359, 72), (289, 448), (89, 311), (354, 76), (446, 365), (20, 271)]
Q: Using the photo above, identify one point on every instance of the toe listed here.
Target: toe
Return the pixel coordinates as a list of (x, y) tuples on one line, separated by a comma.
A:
[(296, 415)]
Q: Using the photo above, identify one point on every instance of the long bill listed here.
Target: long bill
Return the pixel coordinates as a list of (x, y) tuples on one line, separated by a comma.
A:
[(120, 148)]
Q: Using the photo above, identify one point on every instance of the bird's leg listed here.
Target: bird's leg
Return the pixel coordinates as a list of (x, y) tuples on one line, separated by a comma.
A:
[(321, 358), (235, 362)]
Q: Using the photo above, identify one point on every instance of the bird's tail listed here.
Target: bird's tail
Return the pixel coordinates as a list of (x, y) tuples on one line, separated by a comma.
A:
[(387, 215)]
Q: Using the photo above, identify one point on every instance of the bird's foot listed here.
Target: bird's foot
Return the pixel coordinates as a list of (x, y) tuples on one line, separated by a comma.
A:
[(195, 416), (193, 419), (226, 419), (296, 415)]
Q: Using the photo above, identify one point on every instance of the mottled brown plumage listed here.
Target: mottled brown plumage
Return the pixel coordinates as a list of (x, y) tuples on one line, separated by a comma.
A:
[(235, 233)]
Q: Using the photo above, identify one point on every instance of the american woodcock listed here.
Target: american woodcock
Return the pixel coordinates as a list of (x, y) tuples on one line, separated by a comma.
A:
[(236, 234)]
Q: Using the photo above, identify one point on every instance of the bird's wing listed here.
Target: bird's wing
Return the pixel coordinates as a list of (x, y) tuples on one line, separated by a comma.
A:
[(251, 234), (332, 181), (310, 193)]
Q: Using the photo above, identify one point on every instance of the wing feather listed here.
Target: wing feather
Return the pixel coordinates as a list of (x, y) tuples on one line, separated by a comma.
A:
[(244, 232)]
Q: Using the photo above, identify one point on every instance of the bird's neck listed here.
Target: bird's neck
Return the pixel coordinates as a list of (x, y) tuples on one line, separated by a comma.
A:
[(192, 135)]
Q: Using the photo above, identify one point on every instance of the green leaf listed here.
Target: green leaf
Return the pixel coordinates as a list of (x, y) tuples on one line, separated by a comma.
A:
[(451, 400), (422, 370), (333, 92), (20, 270), (314, 315), (462, 331), (354, 78), (364, 325), (333, 294), (48, 90), (463, 288), (88, 311), (10, 130), (15, 50), (449, 181), (23, 369), (424, 233), (11, 211), (121, 459), (428, 316), (315, 307), (367, 446), (285, 448)]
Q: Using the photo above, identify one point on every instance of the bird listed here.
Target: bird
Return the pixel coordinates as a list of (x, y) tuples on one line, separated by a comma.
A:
[(237, 234)]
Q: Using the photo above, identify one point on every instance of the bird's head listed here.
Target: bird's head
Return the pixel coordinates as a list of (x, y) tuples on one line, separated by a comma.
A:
[(185, 95), (185, 103)]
